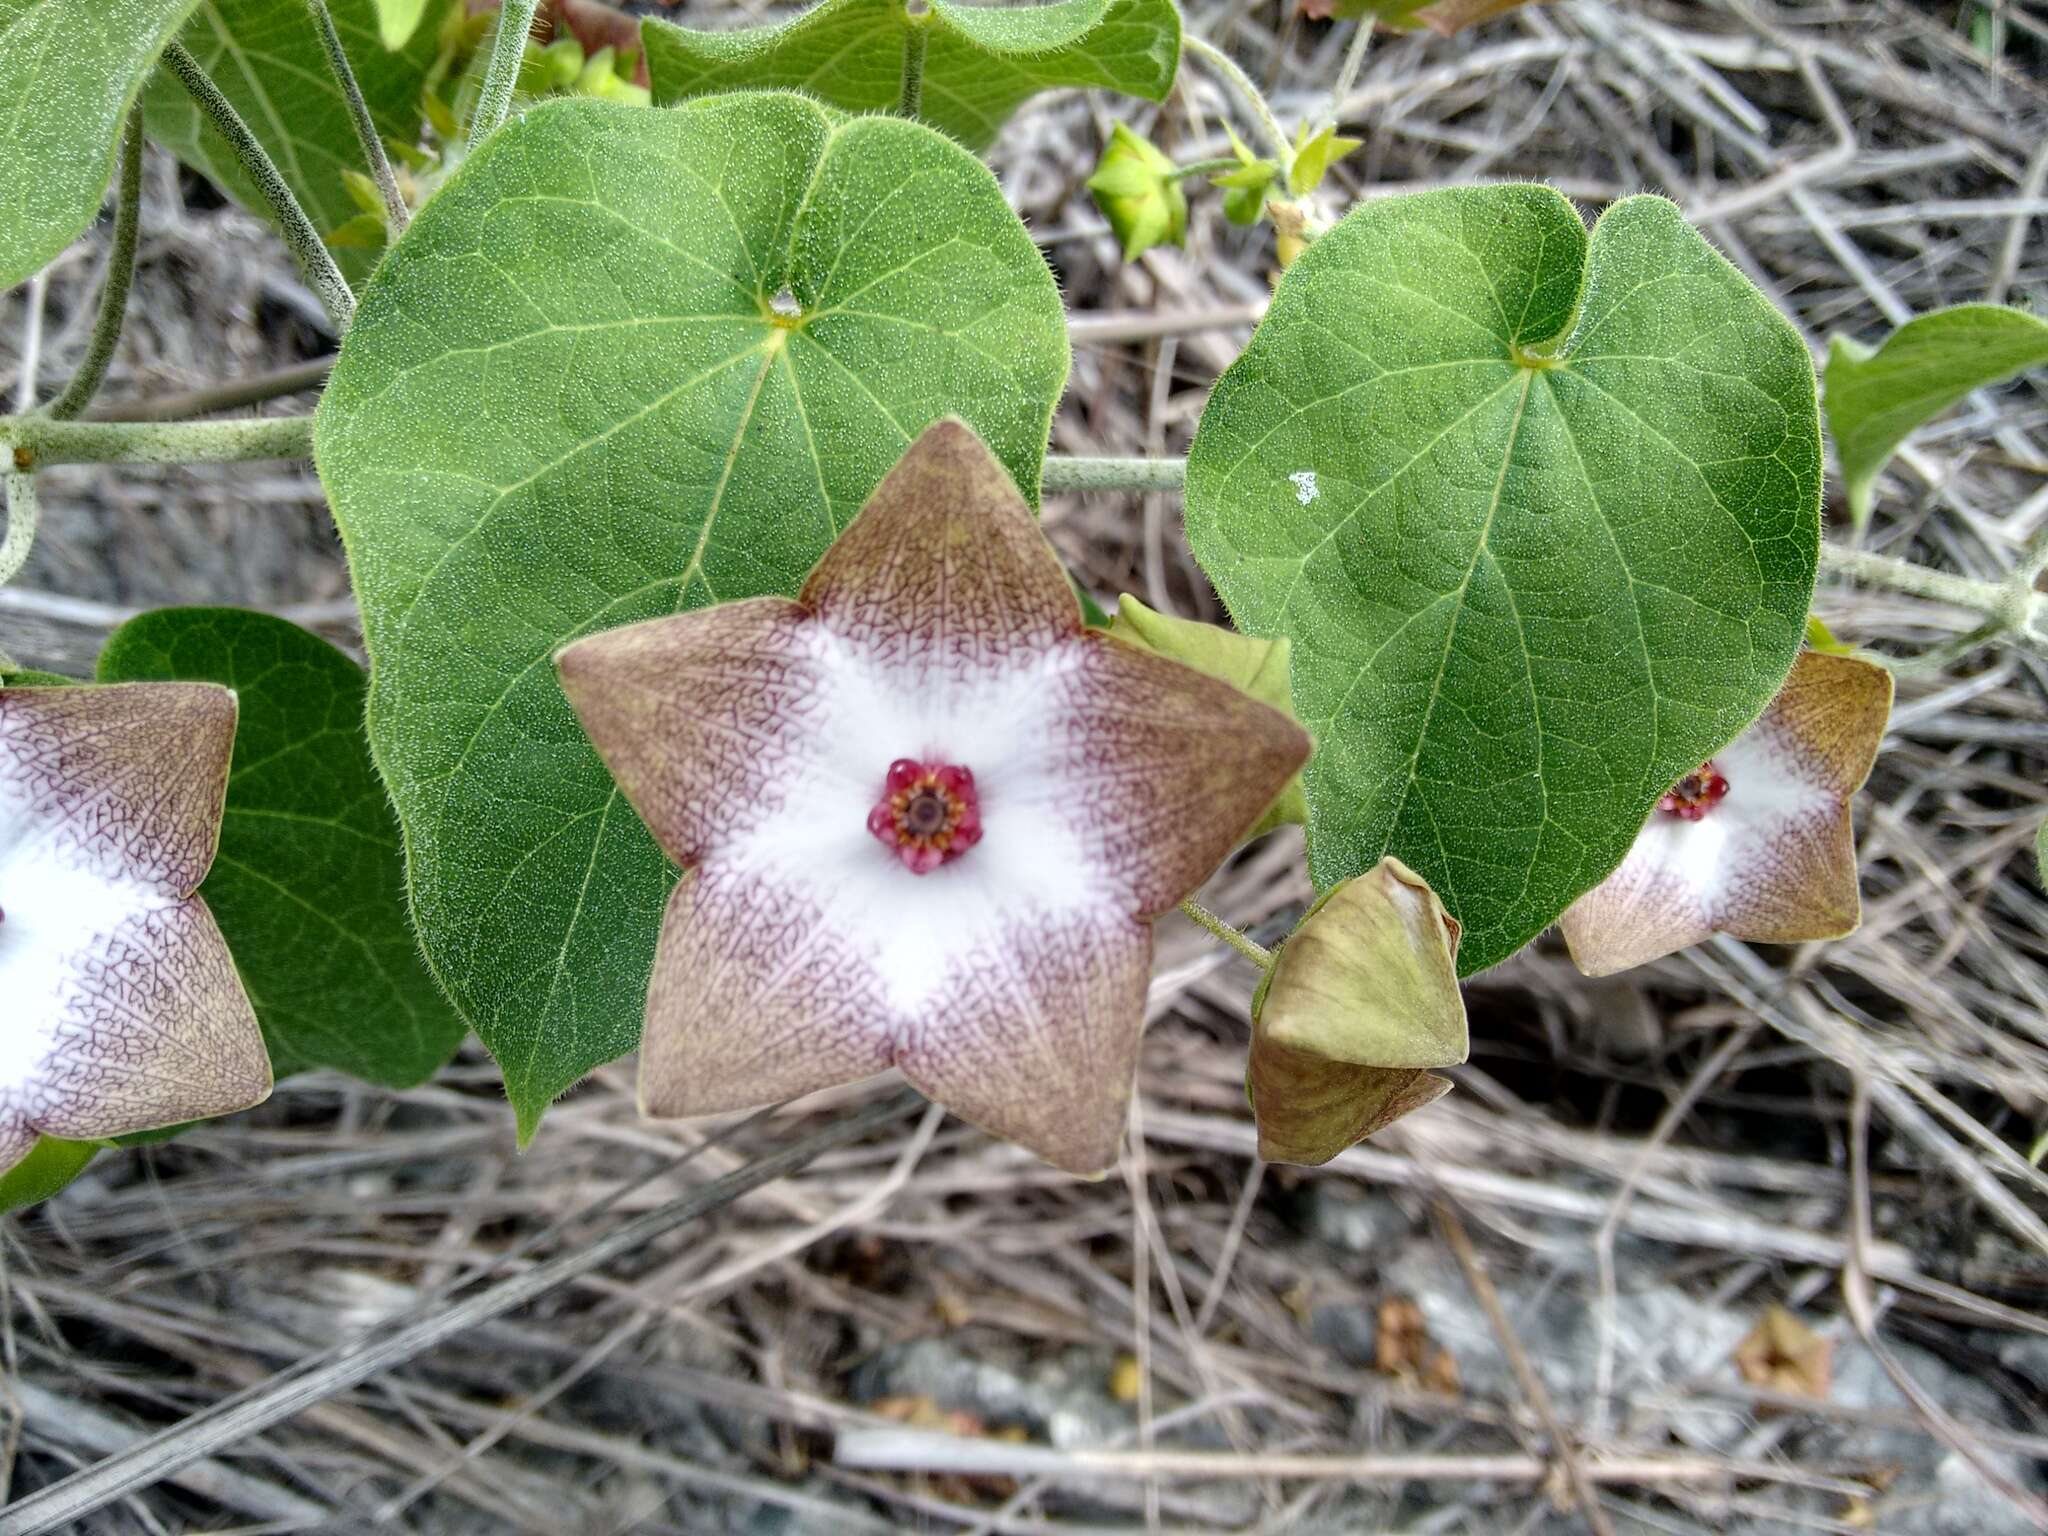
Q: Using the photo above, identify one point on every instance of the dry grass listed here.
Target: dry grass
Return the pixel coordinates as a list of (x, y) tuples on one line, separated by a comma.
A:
[(1841, 1128)]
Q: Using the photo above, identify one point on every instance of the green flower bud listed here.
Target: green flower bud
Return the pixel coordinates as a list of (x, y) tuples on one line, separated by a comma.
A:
[(1361, 1000), (1134, 186)]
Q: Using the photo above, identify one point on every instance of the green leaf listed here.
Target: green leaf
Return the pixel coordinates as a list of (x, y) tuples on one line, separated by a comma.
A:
[(1876, 396), (308, 885), (33, 679), (1542, 520), (397, 20), (572, 399), (981, 62), (267, 59), (69, 70), (51, 1164), (1313, 158)]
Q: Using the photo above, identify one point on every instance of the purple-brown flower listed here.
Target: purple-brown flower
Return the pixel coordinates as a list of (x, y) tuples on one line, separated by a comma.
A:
[(926, 817), (1755, 843), (120, 1009)]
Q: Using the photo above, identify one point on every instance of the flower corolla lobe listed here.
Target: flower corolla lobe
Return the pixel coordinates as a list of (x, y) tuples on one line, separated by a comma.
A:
[(1088, 787), (120, 1007)]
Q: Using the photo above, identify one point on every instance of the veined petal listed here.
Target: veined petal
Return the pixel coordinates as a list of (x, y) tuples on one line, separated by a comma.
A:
[(1162, 769), (944, 572), (1030, 1028), (703, 718), (1036, 1035), (124, 1012), (756, 997), (1773, 862), (153, 1029), (128, 779)]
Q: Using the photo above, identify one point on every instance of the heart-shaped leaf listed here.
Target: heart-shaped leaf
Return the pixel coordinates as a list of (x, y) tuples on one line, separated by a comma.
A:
[(69, 70), (627, 362), (1877, 395), (980, 62), (308, 885), (1541, 517), (268, 61)]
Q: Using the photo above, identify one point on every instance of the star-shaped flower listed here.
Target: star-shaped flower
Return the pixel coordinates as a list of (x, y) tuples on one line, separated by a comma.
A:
[(120, 1009), (927, 817), (1755, 843)]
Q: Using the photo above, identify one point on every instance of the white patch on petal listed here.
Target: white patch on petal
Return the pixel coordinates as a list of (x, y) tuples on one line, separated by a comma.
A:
[(1770, 790), (58, 915), (1003, 725)]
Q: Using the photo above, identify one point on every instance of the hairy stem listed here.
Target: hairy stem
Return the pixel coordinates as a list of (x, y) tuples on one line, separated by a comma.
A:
[(1202, 917), (1085, 474), (322, 275), (106, 325), (508, 48), (32, 442), (1226, 67), (916, 36), (396, 214), (1205, 167), (2009, 603)]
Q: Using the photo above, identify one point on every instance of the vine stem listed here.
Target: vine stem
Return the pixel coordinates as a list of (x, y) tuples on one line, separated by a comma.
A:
[(33, 442), (508, 48), (1205, 167), (106, 327), (322, 275), (1225, 66), (2009, 602), (1202, 917), (396, 214), (36, 440)]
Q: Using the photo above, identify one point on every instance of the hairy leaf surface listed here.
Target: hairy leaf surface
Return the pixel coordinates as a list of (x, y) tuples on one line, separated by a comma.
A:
[(1541, 516), (628, 362), (981, 62), (69, 70)]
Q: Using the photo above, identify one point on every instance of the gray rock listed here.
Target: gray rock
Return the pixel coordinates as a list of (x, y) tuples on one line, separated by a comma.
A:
[(1063, 1399), (1662, 1336), (1368, 1223)]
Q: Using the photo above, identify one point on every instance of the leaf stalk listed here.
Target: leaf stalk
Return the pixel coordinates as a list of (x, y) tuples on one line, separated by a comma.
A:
[(1227, 69), (106, 326), (508, 48), (1202, 917), (396, 214), (322, 275)]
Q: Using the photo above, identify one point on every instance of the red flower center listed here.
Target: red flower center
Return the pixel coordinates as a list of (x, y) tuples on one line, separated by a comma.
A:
[(928, 813), (1695, 794)]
